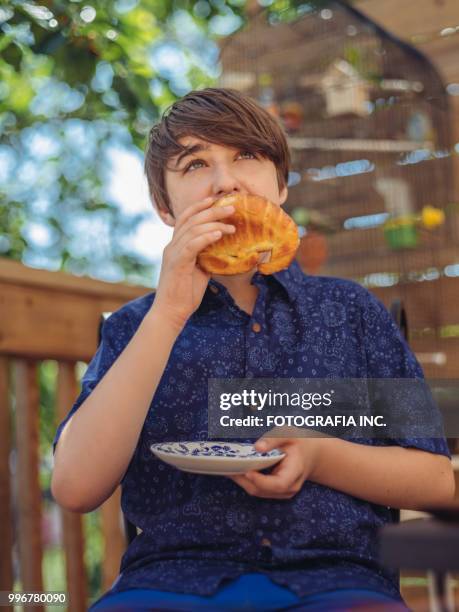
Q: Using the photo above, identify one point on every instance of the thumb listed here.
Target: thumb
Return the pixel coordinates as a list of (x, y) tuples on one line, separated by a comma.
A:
[(266, 442), (264, 445)]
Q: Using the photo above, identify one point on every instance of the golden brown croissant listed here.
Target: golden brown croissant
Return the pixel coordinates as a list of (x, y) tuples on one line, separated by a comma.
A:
[(265, 237)]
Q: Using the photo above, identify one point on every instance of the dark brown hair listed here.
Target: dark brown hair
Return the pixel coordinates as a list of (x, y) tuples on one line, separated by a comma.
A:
[(219, 116)]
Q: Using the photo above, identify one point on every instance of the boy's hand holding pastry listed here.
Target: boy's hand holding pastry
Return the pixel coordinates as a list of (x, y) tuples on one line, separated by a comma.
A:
[(205, 242), (266, 238), (182, 282)]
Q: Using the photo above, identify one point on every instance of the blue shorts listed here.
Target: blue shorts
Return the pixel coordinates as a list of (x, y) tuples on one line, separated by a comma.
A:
[(248, 593)]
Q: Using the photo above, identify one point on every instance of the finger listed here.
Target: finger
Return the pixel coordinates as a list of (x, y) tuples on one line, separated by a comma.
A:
[(193, 209), (284, 436), (296, 486), (290, 474), (244, 483), (295, 481), (199, 230), (264, 445), (268, 484), (280, 481), (202, 217), (191, 249), (251, 489)]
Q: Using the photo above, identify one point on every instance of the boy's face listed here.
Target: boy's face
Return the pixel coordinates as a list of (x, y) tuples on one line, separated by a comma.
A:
[(217, 170)]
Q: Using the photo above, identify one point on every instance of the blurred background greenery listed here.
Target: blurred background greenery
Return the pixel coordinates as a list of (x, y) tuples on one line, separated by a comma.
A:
[(79, 80)]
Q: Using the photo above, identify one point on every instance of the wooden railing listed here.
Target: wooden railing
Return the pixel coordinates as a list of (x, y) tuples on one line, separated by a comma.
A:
[(47, 316)]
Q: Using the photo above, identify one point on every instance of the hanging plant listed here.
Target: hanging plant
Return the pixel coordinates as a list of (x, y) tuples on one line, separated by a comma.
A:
[(403, 232)]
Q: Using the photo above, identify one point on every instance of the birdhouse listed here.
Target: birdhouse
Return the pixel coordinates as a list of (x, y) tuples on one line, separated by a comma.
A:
[(344, 90)]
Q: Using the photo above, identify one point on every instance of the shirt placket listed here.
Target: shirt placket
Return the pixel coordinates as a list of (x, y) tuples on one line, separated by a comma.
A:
[(257, 340), (256, 349)]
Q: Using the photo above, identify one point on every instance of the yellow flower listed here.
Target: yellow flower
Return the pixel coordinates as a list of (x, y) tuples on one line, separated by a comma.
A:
[(432, 217)]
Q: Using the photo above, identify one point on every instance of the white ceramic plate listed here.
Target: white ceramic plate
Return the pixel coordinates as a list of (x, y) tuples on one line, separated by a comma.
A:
[(215, 458)]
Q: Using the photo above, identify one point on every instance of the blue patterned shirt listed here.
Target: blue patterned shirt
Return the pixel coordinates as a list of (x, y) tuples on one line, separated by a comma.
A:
[(199, 530)]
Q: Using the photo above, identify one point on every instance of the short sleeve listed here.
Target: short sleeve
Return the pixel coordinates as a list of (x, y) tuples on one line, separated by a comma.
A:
[(389, 357), (117, 331)]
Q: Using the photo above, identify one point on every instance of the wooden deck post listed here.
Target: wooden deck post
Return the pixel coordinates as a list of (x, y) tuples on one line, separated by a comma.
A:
[(6, 521), (66, 393), (28, 498)]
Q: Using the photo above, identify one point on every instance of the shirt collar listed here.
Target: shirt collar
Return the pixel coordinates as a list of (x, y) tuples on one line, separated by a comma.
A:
[(290, 279)]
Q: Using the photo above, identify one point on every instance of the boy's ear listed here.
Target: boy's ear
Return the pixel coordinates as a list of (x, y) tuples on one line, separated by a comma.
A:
[(166, 217), (283, 195)]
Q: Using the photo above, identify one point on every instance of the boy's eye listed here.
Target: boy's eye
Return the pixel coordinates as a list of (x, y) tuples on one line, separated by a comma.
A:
[(192, 164)]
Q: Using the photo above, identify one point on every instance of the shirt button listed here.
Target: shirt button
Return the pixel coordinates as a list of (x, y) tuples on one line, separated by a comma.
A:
[(266, 542), (256, 327), (213, 289)]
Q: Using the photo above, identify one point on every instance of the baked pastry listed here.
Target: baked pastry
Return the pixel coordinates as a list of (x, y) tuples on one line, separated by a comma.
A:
[(265, 237)]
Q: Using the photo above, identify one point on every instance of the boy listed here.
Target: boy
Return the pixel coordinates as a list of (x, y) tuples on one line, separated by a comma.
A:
[(303, 536)]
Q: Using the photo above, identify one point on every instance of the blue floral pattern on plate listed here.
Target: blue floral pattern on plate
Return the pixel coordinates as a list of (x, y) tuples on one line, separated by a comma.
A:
[(214, 458), (205, 449)]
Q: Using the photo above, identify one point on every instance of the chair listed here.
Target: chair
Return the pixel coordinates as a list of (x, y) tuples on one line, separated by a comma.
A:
[(398, 312), (430, 544)]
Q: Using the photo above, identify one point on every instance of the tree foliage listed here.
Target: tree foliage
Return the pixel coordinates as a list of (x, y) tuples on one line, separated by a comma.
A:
[(78, 78)]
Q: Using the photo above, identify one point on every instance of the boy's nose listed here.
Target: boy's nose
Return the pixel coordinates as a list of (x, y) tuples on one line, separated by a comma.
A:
[(225, 183)]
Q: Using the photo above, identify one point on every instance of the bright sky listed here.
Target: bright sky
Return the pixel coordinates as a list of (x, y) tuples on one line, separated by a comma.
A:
[(128, 188), (125, 185)]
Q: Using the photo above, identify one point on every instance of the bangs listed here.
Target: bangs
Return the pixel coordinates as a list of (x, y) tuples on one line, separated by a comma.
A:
[(218, 116)]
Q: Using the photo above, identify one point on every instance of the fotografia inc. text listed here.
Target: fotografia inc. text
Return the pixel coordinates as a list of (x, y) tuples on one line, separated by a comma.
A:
[(311, 421)]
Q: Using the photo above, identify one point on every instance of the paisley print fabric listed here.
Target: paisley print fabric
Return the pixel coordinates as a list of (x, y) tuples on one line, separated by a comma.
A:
[(199, 531)]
